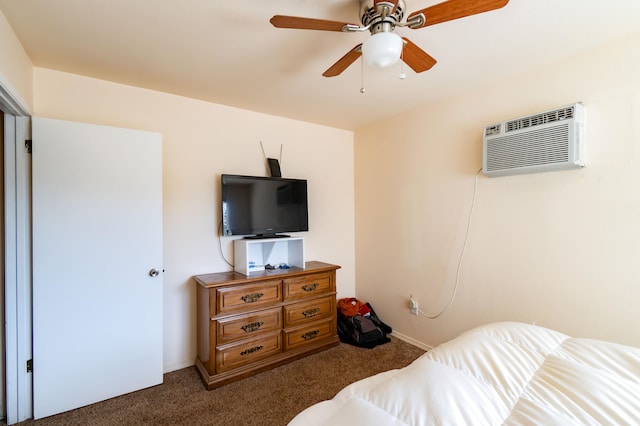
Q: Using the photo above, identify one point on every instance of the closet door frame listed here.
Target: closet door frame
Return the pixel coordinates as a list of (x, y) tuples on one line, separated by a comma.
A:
[(17, 257)]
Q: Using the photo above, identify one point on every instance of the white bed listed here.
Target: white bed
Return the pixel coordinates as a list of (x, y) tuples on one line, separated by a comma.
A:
[(500, 374)]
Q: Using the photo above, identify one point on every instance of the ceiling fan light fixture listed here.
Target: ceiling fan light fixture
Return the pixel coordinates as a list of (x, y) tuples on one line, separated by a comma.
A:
[(382, 49)]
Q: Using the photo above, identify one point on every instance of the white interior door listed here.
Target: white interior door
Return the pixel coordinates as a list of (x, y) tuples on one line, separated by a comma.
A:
[(97, 234)]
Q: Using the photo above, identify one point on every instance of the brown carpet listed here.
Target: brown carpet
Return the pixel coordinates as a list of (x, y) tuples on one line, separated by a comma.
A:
[(270, 398)]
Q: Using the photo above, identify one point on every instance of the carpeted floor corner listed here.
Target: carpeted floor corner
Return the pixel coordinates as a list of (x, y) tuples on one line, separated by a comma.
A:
[(270, 398)]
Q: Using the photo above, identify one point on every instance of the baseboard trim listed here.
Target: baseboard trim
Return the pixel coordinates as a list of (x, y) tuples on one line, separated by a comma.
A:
[(411, 341), (168, 368)]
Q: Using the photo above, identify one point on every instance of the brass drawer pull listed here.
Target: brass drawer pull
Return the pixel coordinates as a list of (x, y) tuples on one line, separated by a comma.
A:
[(310, 287), (250, 298), (252, 326), (311, 312), (311, 335), (251, 350)]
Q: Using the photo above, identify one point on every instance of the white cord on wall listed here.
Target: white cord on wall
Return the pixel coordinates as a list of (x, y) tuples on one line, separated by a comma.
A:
[(220, 245), (464, 247)]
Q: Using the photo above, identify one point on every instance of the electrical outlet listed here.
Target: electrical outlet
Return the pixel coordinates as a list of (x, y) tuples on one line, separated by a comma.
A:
[(413, 305)]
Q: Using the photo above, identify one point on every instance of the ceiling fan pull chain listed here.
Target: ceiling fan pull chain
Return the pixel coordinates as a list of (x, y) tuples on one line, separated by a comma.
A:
[(362, 75), (402, 75)]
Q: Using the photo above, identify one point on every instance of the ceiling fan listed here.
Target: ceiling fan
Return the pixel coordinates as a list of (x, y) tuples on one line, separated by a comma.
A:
[(381, 17)]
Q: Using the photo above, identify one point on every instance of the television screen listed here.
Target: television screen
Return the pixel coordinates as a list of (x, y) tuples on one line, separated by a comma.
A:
[(263, 207)]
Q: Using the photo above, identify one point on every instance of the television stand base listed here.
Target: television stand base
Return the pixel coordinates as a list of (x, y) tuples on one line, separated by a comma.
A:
[(263, 236)]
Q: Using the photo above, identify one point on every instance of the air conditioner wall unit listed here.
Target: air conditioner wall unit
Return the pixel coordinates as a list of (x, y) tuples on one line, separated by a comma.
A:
[(546, 141)]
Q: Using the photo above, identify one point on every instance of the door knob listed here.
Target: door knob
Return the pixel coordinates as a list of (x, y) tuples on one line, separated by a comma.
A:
[(154, 272)]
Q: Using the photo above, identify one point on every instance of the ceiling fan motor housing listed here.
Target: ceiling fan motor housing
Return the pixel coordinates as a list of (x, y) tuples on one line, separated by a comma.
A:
[(380, 15)]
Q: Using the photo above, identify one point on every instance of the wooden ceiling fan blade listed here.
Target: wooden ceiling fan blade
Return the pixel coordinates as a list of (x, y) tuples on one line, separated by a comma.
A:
[(416, 58), (282, 21), (454, 9), (344, 62)]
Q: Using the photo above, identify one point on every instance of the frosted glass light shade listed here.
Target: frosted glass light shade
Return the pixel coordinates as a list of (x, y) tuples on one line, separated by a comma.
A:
[(382, 49)]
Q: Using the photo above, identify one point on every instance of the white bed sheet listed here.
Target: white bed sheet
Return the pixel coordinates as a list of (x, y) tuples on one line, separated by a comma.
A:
[(500, 374)]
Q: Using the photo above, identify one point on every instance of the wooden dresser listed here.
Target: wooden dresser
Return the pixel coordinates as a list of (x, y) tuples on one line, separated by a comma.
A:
[(247, 324)]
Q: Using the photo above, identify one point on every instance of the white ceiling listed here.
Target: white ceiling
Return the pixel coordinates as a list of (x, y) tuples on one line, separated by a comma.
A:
[(227, 52)]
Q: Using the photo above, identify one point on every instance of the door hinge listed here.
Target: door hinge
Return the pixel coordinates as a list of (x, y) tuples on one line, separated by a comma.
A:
[(28, 145), (29, 365)]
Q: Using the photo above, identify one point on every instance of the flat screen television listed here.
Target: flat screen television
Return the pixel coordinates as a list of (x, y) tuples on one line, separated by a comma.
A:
[(263, 207)]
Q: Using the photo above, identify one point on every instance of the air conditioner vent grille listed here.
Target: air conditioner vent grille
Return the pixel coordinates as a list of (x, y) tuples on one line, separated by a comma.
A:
[(546, 141), (537, 147), (566, 113)]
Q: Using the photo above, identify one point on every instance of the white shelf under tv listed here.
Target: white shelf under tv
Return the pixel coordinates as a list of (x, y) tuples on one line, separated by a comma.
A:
[(252, 255)]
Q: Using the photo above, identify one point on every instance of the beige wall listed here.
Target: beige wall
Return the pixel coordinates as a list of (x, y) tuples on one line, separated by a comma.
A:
[(558, 248), (200, 141), (16, 71), (561, 249)]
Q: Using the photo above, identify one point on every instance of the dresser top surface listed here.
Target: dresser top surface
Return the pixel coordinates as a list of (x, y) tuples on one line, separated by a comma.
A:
[(232, 277)]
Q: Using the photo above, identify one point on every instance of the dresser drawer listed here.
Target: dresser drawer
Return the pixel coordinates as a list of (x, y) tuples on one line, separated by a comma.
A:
[(308, 334), (307, 311), (244, 326), (308, 285), (248, 297), (245, 352)]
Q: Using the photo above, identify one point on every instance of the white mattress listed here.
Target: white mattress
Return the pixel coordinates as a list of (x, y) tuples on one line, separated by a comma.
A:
[(503, 373)]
